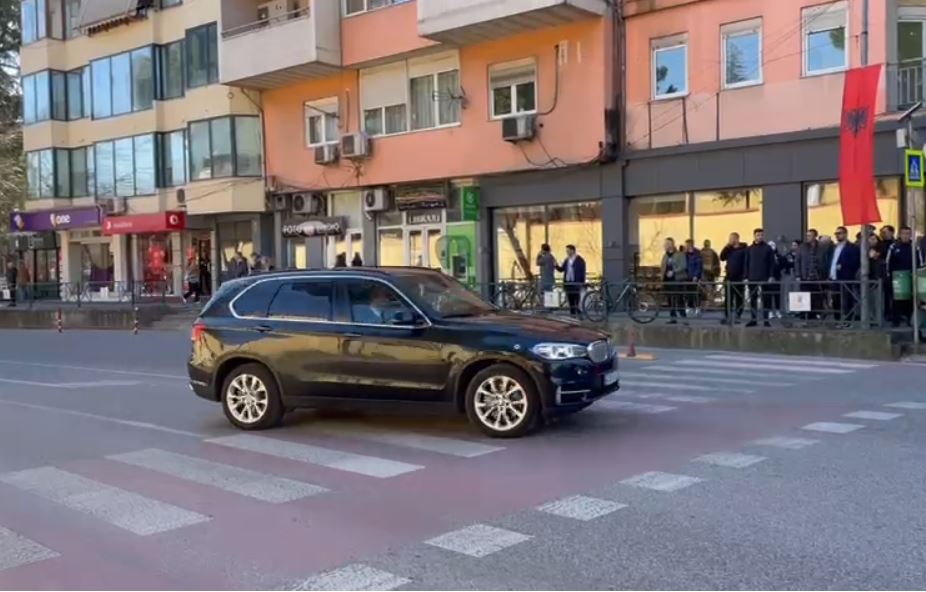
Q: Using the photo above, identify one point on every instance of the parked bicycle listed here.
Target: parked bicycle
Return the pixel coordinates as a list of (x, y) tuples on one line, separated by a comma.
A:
[(642, 306)]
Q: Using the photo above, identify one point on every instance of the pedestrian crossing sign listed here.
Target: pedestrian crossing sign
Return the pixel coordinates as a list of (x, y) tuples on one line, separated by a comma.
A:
[(914, 169)]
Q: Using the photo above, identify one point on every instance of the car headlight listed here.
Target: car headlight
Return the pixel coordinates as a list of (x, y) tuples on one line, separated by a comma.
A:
[(559, 351)]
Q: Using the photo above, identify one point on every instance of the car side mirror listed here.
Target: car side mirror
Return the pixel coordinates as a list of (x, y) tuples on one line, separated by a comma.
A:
[(404, 318)]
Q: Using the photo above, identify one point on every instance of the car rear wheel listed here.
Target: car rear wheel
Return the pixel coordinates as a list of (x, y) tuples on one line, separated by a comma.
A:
[(251, 399), (502, 401)]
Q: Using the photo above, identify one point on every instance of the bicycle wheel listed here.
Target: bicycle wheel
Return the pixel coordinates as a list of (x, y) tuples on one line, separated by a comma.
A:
[(594, 306), (644, 308)]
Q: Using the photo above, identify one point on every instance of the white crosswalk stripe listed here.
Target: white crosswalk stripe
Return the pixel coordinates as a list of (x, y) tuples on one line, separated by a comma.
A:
[(788, 361), (370, 466), (644, 408), (690, 399), (660, 481), (438, 444), (697, 373), (16, 550), (699, 379), (832, 427), (581, 507), (912, 405), (762, 366), (354, 577), (785, 442), (733, 460), (478, 540), (267, 488), (681, 386), (118, 507), (874, 415)]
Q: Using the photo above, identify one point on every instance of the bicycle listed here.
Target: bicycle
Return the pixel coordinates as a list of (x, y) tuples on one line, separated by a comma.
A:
[(641, 305)]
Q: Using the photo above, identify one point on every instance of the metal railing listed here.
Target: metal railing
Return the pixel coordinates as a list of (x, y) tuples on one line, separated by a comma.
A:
[(258, 25), (88, 293), (906, 81)]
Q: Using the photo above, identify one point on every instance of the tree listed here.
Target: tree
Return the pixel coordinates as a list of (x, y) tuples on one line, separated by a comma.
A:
[(12, 169)]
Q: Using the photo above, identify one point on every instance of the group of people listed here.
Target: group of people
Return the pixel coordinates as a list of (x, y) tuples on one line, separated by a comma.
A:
[(341, 260), (198, 275), (763, 271)]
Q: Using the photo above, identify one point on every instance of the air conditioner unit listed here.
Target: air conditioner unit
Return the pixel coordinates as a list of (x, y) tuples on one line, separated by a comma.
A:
[(516, 129), (356, 146), (281, 202), (307, 203), (113, 206), (273, 11), (375, 200), (181, 196), (327, 154)]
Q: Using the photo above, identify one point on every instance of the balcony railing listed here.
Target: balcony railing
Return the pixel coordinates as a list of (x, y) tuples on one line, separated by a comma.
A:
[(906, 81), (264, 23)]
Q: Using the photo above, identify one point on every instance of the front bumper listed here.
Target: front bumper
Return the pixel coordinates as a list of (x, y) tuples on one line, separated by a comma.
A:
[(572, 384)]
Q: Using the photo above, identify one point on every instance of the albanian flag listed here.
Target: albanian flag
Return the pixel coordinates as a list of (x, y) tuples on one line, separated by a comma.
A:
[(856, 147)]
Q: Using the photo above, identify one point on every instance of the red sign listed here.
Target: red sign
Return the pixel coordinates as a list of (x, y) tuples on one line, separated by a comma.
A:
[(144, 223), (857, 143)]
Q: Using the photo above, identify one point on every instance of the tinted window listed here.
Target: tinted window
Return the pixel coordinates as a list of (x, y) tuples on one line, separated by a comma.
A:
[(255, 301), (305, 300), (373, 303)]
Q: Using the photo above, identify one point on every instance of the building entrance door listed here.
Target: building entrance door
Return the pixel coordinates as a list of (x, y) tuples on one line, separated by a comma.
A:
[(422, 246)]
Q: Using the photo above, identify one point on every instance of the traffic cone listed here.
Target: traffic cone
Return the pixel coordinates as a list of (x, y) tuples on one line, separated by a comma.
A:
[(631, 352), (632, 346)]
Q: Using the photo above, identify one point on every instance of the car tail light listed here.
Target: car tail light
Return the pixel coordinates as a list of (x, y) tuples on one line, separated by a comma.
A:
[(199, 329)]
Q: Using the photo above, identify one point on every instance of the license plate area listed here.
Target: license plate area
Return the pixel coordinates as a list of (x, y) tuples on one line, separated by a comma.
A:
[(611, 377)]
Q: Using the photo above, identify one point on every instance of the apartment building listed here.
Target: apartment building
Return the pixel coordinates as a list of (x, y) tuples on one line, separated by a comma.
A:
[(733, 110), (138, 159), (447, 134)]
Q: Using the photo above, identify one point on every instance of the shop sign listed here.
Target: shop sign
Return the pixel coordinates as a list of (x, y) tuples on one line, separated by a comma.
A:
[(145, 223), (421, 197), (470, 198), (425, 217), (314, 227), (51, 220)]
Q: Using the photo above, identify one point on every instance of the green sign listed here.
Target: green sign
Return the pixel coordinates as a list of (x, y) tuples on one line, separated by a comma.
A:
[(470, 197), (914, 169)]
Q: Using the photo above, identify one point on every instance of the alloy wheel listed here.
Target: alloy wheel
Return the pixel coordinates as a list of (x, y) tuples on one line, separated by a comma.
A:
[(501, 403), (247, 398)]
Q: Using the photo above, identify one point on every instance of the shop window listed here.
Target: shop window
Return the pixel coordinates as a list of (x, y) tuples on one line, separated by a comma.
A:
[(225, 147), (234, 237), (202, 62), (825, 38), (391, 247), (520, 232), (670, 67), (513, 88), (824, 205)]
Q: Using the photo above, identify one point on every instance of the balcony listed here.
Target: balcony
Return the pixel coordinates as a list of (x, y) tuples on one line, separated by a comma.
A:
[(463, 23), (906, 82), (271, 44)]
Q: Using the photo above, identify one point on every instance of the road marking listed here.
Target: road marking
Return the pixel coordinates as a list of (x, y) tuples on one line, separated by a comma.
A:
[(580, 507), (786, 443), (354, 577), (124, 422), (478, 540), (793, 361), (695, 374), (16, 550), (907, 405), (72, 385), (682, 386), (733, 460), (644, 408), (267, 488), (94, 369), (701, 379), (758, 366), (832, 427), (370, 466), (690, 399), (438, 444), (875, 415), (661, 481), (118, 507)]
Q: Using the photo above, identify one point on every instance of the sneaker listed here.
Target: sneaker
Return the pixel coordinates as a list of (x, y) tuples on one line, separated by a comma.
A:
[(766, 324), (751, 324)]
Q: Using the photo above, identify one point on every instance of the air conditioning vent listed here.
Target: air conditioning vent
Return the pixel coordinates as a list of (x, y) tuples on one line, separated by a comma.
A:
[(517, 129), (307, 203), (113, 206), (327, 154), (356, 146), (375, 200), (281, 202)]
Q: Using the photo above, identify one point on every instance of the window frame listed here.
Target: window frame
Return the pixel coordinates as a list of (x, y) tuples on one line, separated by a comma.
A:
[(133, 139), (808, 30), (367, 8), (131, 83), (233, 122), (436, 104), (741, 29), (32, 79), (512, 65), (212, 55), (160, 69), (296, 281), (162, 141), (662, 45), (313, 109)]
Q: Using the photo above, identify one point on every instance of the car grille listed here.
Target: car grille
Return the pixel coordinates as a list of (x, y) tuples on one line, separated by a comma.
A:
[(599, 352)]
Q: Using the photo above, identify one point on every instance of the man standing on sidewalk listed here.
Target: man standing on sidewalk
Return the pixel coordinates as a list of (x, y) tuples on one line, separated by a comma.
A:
[(810, 269), (843, 265), (734, 255), (760, 271), (674, 275), (900, 265), (12, 275)]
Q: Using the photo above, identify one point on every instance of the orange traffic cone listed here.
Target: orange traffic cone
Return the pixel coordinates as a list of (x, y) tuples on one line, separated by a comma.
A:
[(58, 322), (632, 346)]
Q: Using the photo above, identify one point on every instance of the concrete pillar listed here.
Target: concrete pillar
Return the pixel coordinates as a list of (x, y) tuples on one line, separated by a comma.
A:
[(618, 255), (783, 212)]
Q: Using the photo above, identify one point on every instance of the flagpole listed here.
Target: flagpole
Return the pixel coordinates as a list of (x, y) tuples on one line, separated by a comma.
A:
[(864, 271)]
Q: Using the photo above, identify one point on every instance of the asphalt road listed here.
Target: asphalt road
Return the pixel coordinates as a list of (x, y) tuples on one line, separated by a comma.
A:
[(709, 470)]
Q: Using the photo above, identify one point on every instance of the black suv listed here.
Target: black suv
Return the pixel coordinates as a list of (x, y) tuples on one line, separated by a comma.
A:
[(273, 342)]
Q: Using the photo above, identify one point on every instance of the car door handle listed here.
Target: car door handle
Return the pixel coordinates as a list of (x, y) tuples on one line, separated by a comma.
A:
[(263, 328)]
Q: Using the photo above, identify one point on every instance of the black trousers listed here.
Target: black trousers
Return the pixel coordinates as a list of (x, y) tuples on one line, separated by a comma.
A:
[(676, 294), (756, 292), (735, 298), (573, 296), (195, 288), (844, 302)]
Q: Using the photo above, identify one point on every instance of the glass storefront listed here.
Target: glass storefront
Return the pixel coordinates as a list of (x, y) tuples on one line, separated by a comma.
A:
[(519, 233), (824, 205), (96, 265), (156, 256), (234, 237), (349, 207)]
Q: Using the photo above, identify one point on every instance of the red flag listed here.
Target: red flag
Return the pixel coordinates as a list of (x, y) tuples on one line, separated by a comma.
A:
[(857, 145)]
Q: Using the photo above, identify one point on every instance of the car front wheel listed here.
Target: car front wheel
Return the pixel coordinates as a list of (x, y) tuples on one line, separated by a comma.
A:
[(251, 399), (502, 401)]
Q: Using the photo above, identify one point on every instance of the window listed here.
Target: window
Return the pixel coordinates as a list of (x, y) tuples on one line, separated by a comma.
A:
[(824, 205), (75, 94), (170, 71), (40, 174), (72, 18), (105, 177), (169, 3), (303, 301), (373, 303), (383, 98), (62, 172), (358, 6), (125, 167), (87, 98), (385, 120), (435, 100), (44, 96), (33, 20), (144, 164), (670, 68), (80, 158), (102, 89), (173, 159), (142, 79), (741, 49), (59, 105), (225, 147), (321, 122), (255, 301), (123, 83), (202, 62), (825, 35), (513, 88)]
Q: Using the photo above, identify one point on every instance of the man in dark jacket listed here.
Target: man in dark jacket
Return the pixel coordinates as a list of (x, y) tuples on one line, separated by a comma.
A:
[(760, 273), (900, 260), (695, 268), (810, 269), (573, 269), (843, 262), (734, 255)]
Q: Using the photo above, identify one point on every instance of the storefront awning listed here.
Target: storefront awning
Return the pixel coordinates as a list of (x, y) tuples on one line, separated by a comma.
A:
[(145, 223), (100, 15)]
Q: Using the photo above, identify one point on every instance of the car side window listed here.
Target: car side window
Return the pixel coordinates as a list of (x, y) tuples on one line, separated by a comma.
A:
[(304, 300), (374, 303), (255, 301)]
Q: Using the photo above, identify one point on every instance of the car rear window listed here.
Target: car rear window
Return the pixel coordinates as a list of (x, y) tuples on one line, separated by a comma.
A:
[(305, 300), (255, 301)]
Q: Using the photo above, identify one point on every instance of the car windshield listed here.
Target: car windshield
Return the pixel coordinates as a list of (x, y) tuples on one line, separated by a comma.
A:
[(441, 296)]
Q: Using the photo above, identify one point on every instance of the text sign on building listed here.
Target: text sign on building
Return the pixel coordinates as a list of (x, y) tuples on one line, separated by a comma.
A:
[(145, 223), (420, 197), (316, 227), (50, 220), (914, 169), (425, 217), (470, 198)]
